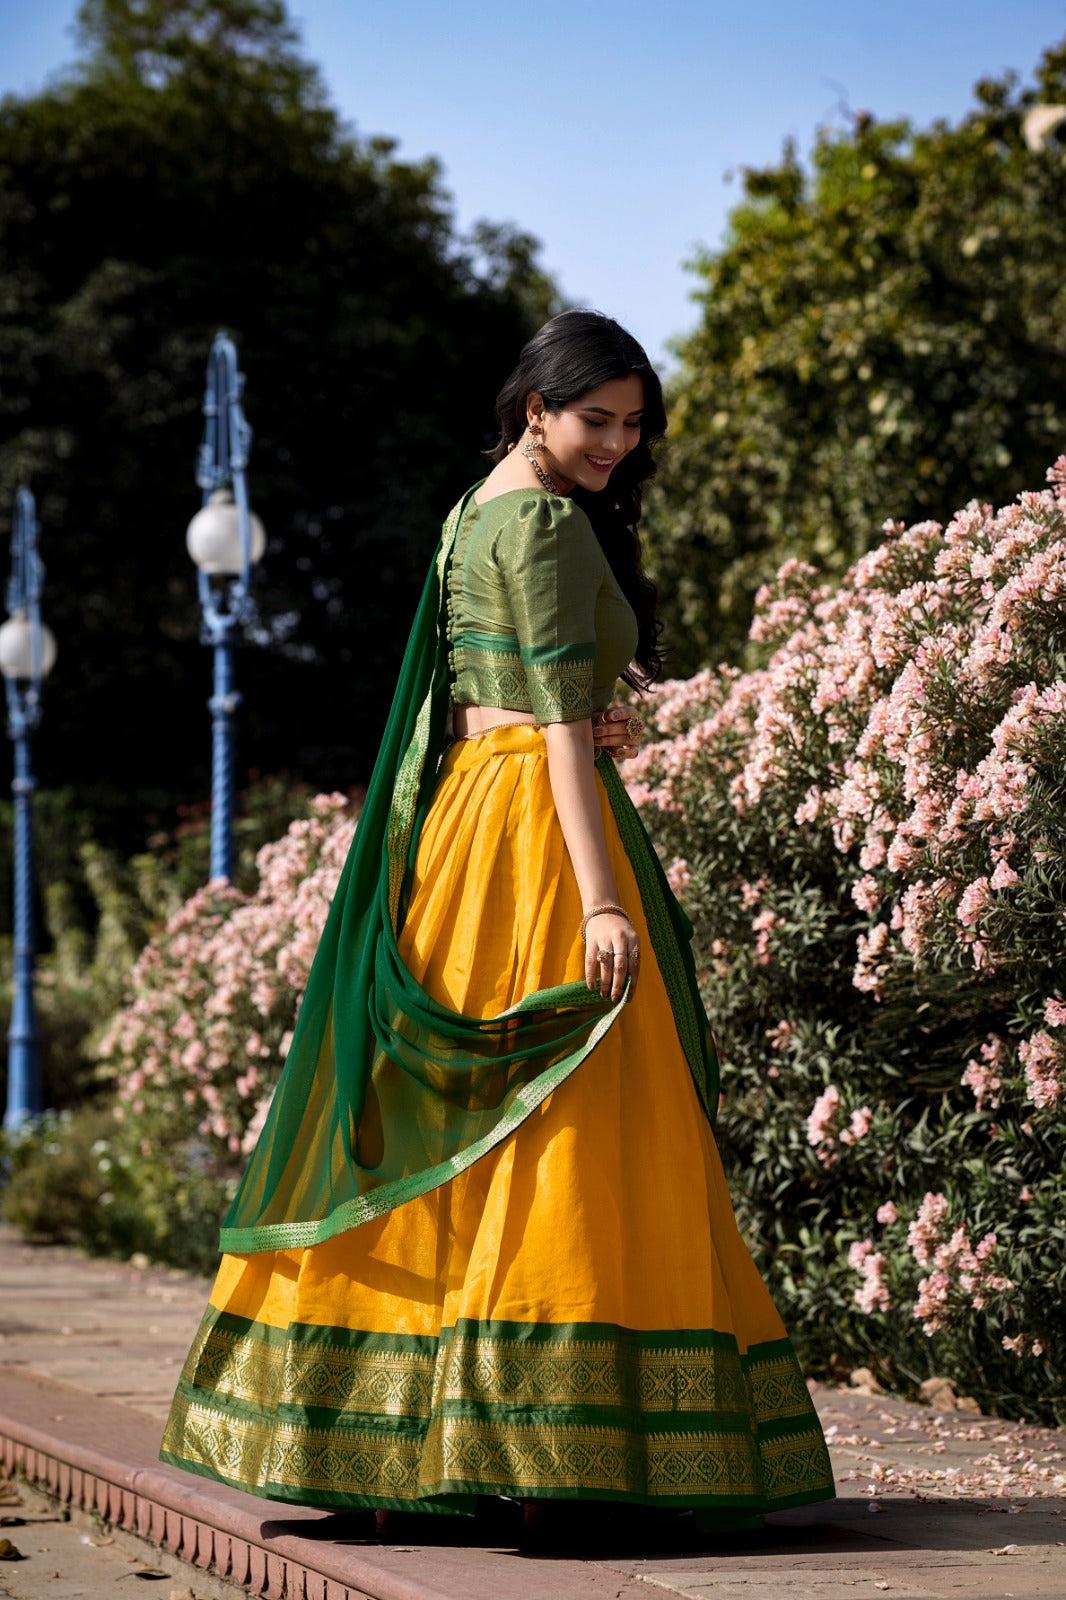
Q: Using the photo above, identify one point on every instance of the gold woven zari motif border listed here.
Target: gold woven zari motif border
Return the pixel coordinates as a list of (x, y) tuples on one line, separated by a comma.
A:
[(482, 1410), (458, 1451), (590, 1373), (561, 691), (374, 1382), (490, 677), (778, 1390), (258, 1454), (589, 1457), (557, 691), (485, 1370)]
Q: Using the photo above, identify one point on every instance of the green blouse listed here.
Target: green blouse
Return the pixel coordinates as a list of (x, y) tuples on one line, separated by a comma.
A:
[(536, 620)]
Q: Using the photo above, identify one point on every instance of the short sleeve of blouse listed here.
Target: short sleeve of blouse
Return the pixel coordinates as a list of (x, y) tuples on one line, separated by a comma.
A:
[(552, 566)]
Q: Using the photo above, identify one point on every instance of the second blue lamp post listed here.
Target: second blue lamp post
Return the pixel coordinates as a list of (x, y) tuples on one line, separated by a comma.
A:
[(225, 539)]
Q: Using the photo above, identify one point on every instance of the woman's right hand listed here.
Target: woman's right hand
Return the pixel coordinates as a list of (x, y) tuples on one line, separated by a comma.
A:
[(618, 730), (611, 932)]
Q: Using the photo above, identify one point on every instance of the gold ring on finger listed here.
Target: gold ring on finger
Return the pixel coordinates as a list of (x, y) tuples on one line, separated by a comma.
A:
[(634, 955), (634, 727), (603, 956)]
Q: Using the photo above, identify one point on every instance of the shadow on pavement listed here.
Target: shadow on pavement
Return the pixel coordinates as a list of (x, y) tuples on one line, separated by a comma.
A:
[(925, 1522), (594, 1532)]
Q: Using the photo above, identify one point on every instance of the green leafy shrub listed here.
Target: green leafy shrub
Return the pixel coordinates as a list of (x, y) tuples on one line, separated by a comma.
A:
[(66, 1185)]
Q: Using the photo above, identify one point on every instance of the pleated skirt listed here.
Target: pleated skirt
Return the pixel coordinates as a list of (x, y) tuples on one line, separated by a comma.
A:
[(574, 1316)]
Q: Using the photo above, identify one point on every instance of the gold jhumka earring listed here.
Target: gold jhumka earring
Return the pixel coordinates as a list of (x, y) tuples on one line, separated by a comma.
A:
[(529, 450)]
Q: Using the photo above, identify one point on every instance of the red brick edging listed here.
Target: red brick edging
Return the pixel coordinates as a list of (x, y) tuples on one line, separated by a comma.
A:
[(100, 1457)]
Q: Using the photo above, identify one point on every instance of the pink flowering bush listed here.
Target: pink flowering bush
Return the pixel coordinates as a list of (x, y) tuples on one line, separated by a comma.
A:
[(868, 829), (197, 1047)]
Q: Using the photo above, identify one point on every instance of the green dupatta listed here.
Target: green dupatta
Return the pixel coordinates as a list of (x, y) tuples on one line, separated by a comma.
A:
[(385, 1094)]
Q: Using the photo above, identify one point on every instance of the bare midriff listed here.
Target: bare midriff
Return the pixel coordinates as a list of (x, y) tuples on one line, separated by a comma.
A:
[(468, 720)]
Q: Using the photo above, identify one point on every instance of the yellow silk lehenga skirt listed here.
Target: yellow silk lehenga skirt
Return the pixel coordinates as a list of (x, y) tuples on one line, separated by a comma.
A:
[(573, 1316)]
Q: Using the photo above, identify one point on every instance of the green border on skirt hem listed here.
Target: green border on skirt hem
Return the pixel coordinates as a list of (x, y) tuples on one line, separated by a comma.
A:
[(463, 1502)]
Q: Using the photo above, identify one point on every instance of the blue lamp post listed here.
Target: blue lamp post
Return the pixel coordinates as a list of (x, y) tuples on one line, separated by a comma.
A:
[(27, 655), (225, 539)]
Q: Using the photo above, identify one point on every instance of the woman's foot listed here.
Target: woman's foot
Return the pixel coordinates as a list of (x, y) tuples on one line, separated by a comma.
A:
[(556, 1523), (589, 1524), (596, 1524)]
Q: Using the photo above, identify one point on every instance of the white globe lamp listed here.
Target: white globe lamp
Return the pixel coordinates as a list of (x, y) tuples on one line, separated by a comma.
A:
[(27, 649), (214, 537)]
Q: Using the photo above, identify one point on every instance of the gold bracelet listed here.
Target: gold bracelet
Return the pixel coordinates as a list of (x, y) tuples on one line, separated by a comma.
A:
[(597, 911)]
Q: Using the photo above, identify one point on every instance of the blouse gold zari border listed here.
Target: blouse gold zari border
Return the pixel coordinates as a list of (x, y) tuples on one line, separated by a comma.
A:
[(490, 677), (559, 690)]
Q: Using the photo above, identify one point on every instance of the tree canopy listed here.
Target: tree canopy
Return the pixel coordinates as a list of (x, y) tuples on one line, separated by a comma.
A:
[(882, 335), (189, 174)]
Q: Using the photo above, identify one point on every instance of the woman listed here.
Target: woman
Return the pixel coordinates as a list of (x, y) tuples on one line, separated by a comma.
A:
[(484, 1245)]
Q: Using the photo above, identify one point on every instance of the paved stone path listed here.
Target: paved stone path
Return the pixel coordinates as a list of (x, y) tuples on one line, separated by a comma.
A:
[(933, 1505), (64, 1558)]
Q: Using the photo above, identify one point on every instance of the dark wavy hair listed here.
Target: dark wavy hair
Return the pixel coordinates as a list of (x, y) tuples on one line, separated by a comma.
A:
[(570, 355)]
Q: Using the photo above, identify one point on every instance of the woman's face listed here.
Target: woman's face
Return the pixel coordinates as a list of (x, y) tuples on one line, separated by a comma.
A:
[(585, 441)]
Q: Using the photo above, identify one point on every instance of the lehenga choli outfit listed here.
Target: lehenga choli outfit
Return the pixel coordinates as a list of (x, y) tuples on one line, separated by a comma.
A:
[(484, 1244)]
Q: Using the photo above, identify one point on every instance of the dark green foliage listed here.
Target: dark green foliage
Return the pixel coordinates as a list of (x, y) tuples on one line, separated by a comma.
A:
[(191, 176), (882, 336), (71, 1179)]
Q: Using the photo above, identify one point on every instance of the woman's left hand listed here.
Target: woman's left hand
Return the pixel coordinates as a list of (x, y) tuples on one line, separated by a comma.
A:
[(617, 730)]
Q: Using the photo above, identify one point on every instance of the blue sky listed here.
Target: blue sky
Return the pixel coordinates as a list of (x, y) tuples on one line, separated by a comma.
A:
[(607, 130)]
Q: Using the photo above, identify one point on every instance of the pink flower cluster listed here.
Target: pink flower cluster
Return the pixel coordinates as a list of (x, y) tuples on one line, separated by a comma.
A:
[(858, 1127), (822, 1123), (763, 927), (678, 875), (983, 1076), (213, 996), (1023, 1345), (1042, 1057), (824, 1131), (1043, 1060), (957, 1268), (873, 1293)]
